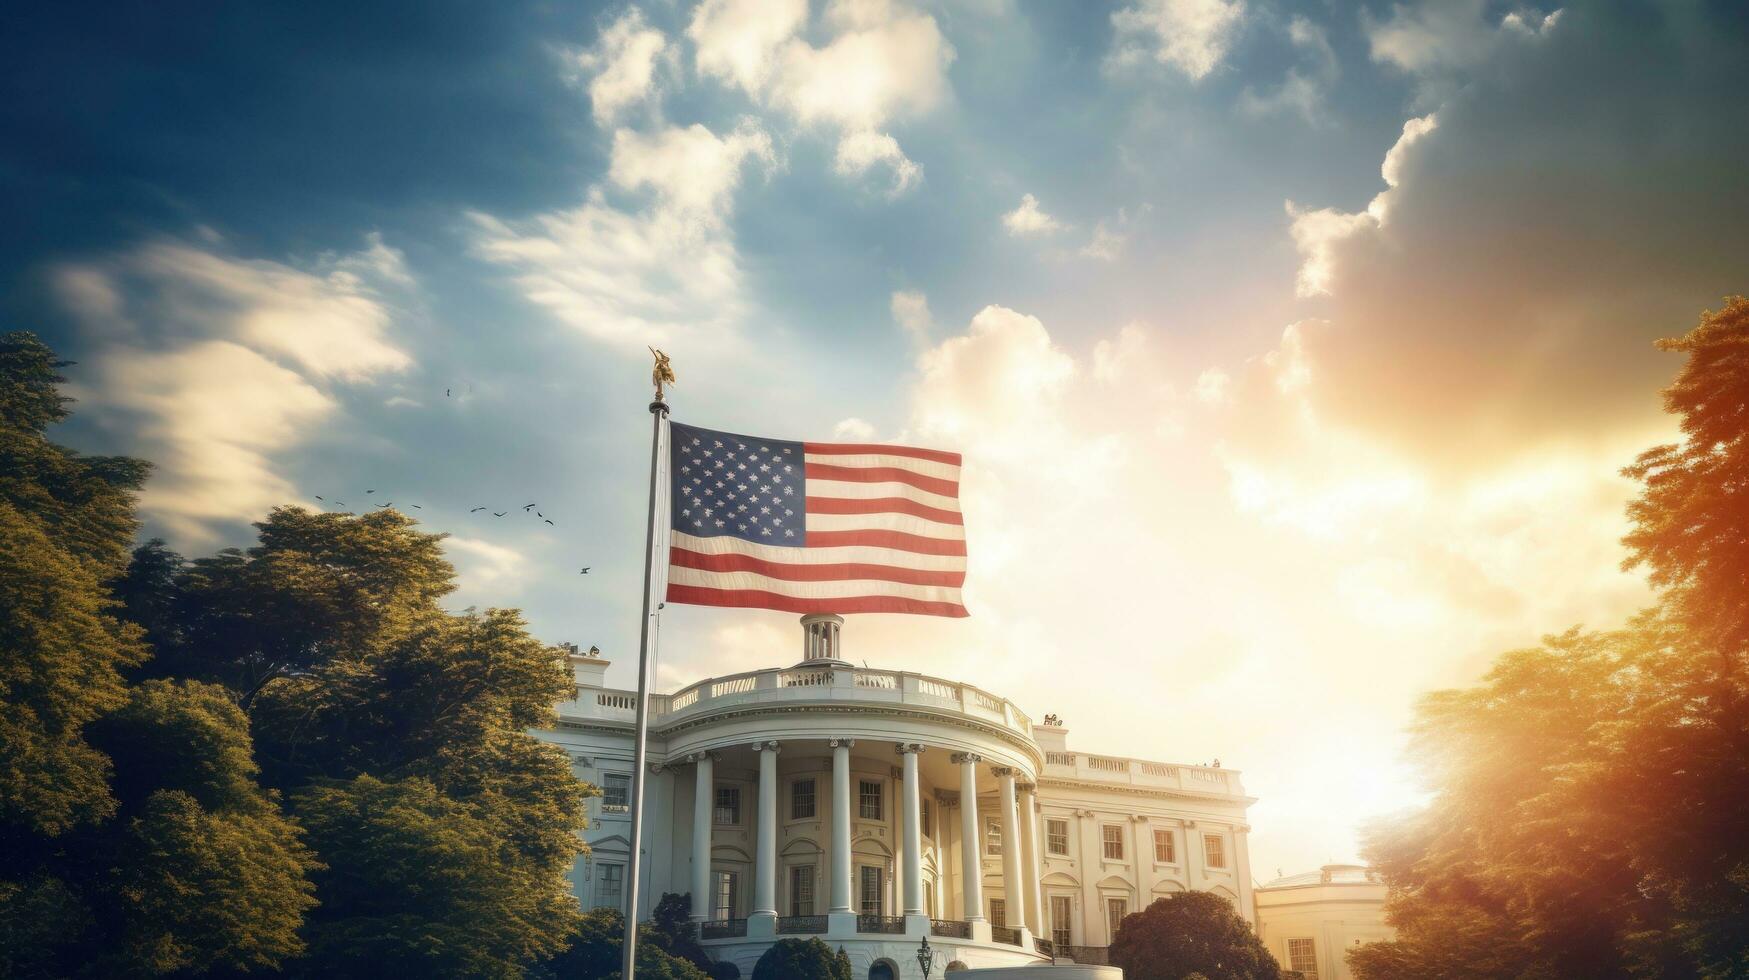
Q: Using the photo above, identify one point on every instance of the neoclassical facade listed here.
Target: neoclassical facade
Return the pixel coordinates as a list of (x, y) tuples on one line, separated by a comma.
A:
[(1310, 921), (873, 808)]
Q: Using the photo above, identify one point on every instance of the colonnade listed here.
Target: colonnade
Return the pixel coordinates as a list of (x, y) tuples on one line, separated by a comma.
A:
[(1020, 856)]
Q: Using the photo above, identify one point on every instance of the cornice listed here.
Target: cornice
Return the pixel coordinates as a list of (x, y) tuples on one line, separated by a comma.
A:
[(873, 709), (1150, 791)]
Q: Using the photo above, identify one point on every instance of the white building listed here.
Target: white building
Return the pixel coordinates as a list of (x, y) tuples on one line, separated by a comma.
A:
[(1310, 921), (838, 801)]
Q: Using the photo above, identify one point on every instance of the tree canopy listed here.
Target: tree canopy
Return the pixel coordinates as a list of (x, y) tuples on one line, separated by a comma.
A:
[(795, 959), (1190, 932), (1590, 811)]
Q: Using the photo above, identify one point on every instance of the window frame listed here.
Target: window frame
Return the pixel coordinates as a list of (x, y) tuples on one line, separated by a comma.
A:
[(733, 807), (1051, 837), (999, 913), (619, 880), (863, 879), (1122, 905), (731, 880), (1214, 846), (607, 806), (801, 877), (1063, 930), (812, 797), (992, 838), (1108, 841), (1311, 952), (1164, 835), (871, 799)]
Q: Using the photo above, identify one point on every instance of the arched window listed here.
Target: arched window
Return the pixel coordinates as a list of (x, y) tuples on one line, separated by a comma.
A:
[(883, 970)]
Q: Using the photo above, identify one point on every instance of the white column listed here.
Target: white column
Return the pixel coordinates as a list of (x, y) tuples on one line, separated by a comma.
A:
[(913, 831), (1012, 885), (701, 836), (765, 841), (1030, 862), (971, 839), (841, 804)]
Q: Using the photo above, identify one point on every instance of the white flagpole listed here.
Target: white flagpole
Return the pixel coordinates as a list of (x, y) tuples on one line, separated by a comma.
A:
[(659, 415)]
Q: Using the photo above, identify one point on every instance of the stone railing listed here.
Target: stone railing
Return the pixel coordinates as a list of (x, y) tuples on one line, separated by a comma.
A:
[(1141, 773), (950, 928), (1044, 947), (1004, 934), (801, 684), (1086, 955), (722, 929), (801, 925), (893, 925)]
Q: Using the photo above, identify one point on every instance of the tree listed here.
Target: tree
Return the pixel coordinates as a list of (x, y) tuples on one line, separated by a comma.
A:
[(595, 950), (671, 928), (397, 730), (800, 959), (1590, 811), (1190, 932), (134, 838)]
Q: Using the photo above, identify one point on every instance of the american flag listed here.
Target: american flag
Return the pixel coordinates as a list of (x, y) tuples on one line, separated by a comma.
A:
[(813, 527)]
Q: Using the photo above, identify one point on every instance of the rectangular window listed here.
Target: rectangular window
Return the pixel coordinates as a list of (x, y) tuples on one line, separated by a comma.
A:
[(1061, 910), (801, 799), (609, 885), (616, 792), (871, 799), (1302, 955), (1165, 849), (1112, 835), (871, 889), (1214, 849), (728, 810), (723, 897), (998, 912), (923, 819), (801, 890), (1115, 910), (993, 839), (1057, 836)]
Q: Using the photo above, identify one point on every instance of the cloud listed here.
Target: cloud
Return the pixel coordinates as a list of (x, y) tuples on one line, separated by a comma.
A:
[(881, 61), (1105, 245), (1559, 213), (1302, 90), (911, 313), (645, 272), (212, 365), (853, 430), (623, 64), (1029, 219), (1189, 36), (484, 563), (1005, 366)]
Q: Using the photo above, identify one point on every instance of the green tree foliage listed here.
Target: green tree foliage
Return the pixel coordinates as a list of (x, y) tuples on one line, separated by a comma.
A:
[(134, 839), (1591, 797), (800, 959), (398, 731), (1190, 932), (595, 950), (671, 927)]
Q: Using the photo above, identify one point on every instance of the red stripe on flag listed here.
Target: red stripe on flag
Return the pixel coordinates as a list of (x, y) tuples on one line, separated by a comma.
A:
[(882, 474), (846, 571), (897, 540), (755, 599), (875, 449), (882, 505)]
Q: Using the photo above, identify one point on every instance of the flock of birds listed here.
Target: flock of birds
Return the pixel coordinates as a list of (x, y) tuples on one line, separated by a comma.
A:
[(529, 508)]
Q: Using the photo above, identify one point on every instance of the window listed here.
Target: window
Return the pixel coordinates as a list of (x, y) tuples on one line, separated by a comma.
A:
[(871, 799), (923, 820), (1057, 836), (1061, 911), (616, 792), (1165, 850), (728, 805), (723, 895), (1214, 850), (801, 799), (871, 889), (801, 889), (1115, 910), (998, 912), (993, 839), (1302, 955), (1112, 835), (609, 885)]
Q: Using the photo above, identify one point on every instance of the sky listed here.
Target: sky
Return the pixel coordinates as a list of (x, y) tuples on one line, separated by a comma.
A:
[(1293, 349)]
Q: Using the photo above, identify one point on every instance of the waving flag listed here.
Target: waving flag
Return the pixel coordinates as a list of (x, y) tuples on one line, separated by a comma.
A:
[(813, 527)]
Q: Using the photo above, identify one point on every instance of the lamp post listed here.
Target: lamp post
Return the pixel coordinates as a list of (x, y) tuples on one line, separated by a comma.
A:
[(925, 957)]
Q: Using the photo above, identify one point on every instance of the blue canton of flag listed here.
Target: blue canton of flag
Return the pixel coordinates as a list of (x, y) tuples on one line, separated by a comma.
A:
[(737, 486)]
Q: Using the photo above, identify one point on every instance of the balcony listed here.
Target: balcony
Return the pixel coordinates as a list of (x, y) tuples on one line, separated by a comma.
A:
[(801, 925), (889, 925), (722, 929), (1086, 955), (834, 684), (950, 929), (1142, 773), (1003, 934)]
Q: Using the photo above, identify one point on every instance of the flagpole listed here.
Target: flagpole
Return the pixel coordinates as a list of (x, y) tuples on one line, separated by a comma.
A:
[(658, 414)]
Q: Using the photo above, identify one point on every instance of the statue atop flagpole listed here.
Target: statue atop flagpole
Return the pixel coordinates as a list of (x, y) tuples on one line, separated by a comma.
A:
[(662, 373)]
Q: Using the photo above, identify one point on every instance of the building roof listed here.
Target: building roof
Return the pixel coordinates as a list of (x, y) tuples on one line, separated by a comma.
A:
[(1329, 874)]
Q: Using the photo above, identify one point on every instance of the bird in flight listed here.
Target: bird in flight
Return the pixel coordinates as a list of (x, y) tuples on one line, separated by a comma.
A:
[(389, 504), (499, 513), (586, 569), (417, 507), (527, 506), (446, 392), (370, 491), (550, 522), (476, 509), (319, 497), (340, 503)]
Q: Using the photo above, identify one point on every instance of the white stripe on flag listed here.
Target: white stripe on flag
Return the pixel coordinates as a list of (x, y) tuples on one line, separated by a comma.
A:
[(886, 522), (849, 554), (810, 590), (845, 489), (925, 467)]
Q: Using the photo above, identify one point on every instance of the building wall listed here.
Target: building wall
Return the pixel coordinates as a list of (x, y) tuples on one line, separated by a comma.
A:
[(1336, 917)]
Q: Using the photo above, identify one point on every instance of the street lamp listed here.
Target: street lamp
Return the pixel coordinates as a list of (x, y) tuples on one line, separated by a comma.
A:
[(925, 957)]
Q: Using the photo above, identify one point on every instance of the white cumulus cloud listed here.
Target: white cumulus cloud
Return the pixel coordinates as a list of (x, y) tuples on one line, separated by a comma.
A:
[(1189, 36), (1029, 219)]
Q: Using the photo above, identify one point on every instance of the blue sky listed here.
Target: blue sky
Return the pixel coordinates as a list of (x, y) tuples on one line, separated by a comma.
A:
[(1293, 347)]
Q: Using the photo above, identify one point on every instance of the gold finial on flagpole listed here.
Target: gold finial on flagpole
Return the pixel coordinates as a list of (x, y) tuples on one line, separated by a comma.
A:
[(662, 373)]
